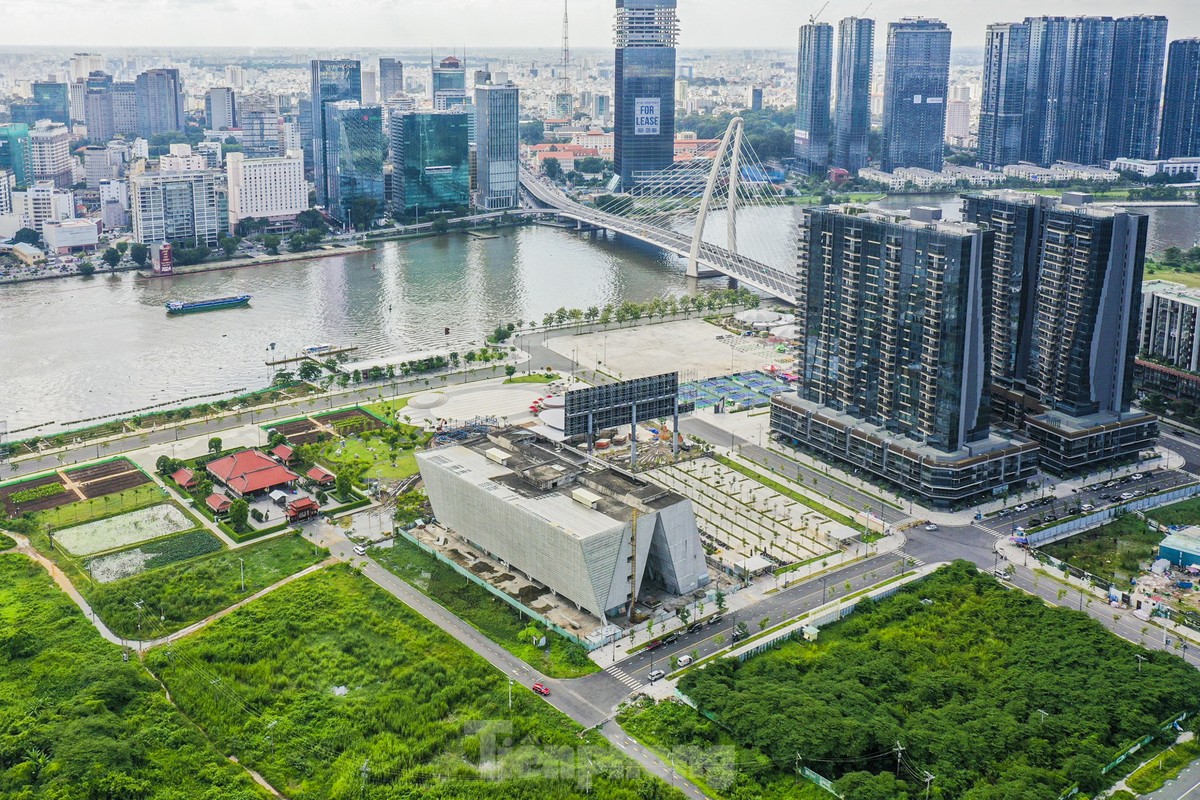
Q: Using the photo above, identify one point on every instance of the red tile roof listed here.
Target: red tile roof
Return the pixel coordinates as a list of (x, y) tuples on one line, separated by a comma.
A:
[(284, 452), (250, 471), (302, 503), (320, 474), (218, 503), (184, 478)]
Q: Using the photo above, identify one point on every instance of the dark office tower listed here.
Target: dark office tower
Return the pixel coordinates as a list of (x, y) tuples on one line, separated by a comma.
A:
[(814, 80), (391, 79), (1044, 88), (431, 165), (1087, 87), (98, 107), (332, 82), (159, 102), (1002, 109), (25, 112), (914, 93), (54, 101), (1139, 48), (354, 153), (1016, 219), (852, 113), (644, 88), (1181, 102), (893, 372)]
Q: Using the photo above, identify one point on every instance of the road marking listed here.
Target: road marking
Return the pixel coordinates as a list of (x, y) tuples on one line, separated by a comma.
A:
[(624, 677), (1190, 790)]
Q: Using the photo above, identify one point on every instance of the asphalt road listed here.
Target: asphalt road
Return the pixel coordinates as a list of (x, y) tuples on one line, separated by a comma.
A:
[(1184, 787), (1154, 481)]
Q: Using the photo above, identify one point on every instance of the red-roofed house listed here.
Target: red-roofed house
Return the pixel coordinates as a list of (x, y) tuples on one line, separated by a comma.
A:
[(251, 472), (218, 503), (283, 453), (185, 478), (302, 509), (321, 476)]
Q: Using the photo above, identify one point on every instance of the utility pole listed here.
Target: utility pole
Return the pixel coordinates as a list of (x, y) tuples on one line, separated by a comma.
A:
[(242, 565), (1140, 659), (510, 683), (365, 772), (929, 776), (899, 751), (1043, 719)]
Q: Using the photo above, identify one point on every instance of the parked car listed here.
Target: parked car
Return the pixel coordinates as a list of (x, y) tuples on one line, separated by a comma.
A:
[(1087, 507), (657, 643), (541, 689), (671, 638), (1035, 520), (1126, 495), (655, 674), (1022, 507), (695, 627), (931, 526), (716, 619)]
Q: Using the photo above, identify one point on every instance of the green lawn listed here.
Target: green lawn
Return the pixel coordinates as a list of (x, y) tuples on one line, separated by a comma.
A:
[(331, 672), (1191, 279), (533, 377), (357, 455), (493, 617), (109, 505), (387, 409), (76, 721), (1114, 551), (6, 542)]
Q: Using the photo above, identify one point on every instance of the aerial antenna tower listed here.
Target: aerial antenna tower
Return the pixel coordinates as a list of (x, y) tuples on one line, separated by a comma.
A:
[(566, 47)]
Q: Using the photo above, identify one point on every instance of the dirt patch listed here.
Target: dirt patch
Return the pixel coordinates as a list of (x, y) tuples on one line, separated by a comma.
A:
[(301, 431), (505, 578), (482, 568), (98, 471), (528, 594), (353, 420), (39, 504), (114, 484)]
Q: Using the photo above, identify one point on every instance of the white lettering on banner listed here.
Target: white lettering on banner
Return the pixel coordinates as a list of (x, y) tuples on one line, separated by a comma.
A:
[(933, 100), (916, 98), (647, 111)]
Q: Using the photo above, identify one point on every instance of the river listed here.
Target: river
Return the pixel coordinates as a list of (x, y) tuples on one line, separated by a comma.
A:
[(77, 348)]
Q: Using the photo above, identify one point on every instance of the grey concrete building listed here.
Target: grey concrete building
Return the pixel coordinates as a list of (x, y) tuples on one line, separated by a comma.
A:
[(565, 521)]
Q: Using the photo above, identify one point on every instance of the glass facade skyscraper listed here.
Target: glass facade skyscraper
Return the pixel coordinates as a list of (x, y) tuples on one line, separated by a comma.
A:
[(814, 79), (852, 113), (16, 153), (914, 94), (54, 101), (449, 84), (1087, 84), (1002, 108), (498, 141), (431, 167), (1181, 102), (354, 155), (1139, 49), (391, 79), (331, 81), (159, 95), (644, 89), (1044, 109)]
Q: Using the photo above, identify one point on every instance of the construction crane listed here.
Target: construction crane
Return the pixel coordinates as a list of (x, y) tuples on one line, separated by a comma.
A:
[(812, 19), (868, 8)]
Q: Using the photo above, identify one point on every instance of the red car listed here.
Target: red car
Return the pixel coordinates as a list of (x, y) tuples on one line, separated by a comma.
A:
[(541, 689)]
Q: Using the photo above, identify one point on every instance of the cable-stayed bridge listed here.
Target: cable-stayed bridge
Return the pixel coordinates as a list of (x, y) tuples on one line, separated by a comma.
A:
[(671, 209)]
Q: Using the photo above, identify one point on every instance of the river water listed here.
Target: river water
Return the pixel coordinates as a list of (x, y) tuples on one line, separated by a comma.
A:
[(77, 348)]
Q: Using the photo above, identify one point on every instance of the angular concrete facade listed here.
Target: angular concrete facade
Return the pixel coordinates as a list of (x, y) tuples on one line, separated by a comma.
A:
[(564, 521)]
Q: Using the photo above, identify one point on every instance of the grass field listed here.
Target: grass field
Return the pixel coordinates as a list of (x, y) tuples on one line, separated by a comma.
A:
[(1185, 512), (493, 617), (1114, 551), (6, 542), (1191, 279), (141, 496), (76, 721), (379, 462), (533, 377), (305, 698), (388, 408)]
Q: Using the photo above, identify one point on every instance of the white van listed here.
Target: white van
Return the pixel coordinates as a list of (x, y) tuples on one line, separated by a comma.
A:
[(684, 661), (360, 550)]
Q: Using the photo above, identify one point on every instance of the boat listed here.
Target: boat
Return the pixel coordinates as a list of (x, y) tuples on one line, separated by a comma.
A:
[(208, 305), (317, 349)]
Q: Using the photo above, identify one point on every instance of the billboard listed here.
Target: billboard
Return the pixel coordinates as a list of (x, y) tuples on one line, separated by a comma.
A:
[(612, 405), (647, 113)]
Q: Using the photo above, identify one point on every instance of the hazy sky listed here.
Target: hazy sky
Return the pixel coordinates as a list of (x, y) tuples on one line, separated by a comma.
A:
[(524, 23)]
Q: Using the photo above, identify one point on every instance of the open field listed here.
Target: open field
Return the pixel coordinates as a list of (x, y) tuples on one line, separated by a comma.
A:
[(389, 409), (960, 670), (1114, 551), (1185, 512), (371, 457), (113, 533), (77, 721), (1191, 279), (493, 617), (134, 561), (306, 699)]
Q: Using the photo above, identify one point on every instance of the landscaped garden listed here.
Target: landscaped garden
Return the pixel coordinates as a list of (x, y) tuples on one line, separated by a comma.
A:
[(332, 689), (494, 618), (993, 692), (77, 721), (122, 530)]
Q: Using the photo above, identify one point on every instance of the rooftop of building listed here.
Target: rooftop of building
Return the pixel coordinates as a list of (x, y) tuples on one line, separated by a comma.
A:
[(1172, 289), (561, 486), (917, 217), (1088, 423)]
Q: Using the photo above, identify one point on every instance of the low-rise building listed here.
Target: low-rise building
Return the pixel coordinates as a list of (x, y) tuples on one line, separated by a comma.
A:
[(28, 255), (1148, 168), (251, 473), (594, 535), (71, 235)]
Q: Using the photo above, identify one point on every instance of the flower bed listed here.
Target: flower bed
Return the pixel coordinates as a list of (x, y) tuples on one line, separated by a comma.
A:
[(123, 530), (126, 563)]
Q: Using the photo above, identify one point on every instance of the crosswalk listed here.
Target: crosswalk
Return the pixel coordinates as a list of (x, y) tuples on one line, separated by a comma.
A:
[(624, 677)]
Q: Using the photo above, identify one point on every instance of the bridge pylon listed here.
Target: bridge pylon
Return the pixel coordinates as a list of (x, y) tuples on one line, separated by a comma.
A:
[(733, 135)]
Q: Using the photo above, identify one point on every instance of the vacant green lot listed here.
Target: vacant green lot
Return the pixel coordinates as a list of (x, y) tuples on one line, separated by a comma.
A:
[(534, 377), (1186, 512), (329, 673), (387, 409), (493, 617), (369, 458), (1114, 551), (959, 670), (76, 721), (1191, 279)]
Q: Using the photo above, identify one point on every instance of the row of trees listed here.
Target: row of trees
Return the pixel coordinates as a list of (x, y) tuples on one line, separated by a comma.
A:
[(630, 311)]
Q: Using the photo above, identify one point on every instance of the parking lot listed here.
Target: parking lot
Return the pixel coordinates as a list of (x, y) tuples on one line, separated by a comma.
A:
[(1031, 512)]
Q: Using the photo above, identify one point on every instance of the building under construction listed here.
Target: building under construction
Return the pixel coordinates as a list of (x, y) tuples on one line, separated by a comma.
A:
[(593, 534)]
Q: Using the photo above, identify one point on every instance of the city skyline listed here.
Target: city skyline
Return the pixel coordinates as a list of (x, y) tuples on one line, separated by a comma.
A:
[(369, 24)]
